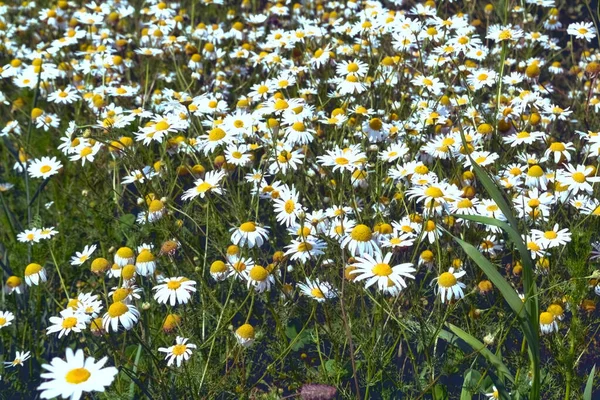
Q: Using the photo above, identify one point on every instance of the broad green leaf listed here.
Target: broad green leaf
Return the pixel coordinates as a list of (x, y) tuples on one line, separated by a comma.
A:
[(589, 386), (471, 378)]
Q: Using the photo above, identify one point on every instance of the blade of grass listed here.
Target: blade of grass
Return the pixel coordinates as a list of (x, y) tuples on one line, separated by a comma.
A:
[(589, 386)]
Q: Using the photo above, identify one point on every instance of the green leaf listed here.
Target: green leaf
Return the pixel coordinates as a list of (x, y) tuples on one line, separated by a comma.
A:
[(472, 377), (479, 347), (440, 391), (587, 393)]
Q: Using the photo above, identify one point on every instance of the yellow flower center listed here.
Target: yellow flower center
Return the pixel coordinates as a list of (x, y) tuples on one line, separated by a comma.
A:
[(318, 293), (125, 252), (557, 146), (579, 177), (162, 126), (447, 279), (533, 246), (174, 285), (248, 227), (203, 187), (216, 134), (280, 104), (258, 273), (421, 169), (77, 376), (32, 269), (464, 203), (533, 203), (550, 235), (434, 192), (45, 168), (546, 318), (179, 349), (69, 322), (375, 124), (304, 247), (535, 171), (117, 309), (352, 67), (361, 233), (245, 331), (382, 269), (2, 321)]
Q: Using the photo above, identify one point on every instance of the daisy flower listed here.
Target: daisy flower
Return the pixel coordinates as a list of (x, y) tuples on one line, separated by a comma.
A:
[(20, 358), (124, 256), (145, 263), (75, 375), (287, 207), (68, 321), (559, 150), (552, 238), (210, 183), (259, 277), (245, 335), (30, 236), (238, 266), (317, 290), (578, 178), (6, 318), (118, 312), (44, 167), (34, 274), (80, 257), (174, 291), (481, 78), (249, 234), (360, 240), (14, 284), (448, 285), (548, 323), (582, 30), (305, 249), (378, 270), (181, 351), (219, 271)]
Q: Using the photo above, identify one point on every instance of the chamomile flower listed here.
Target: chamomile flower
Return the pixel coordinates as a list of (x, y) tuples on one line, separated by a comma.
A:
[(34, 274), (145, 263), (378, 270), (20, 358), (448, 285), (548, 323), (317, 290), (81, 257), (174, 291), (75, 375), (305, 249), (552, 238), (6, 318), (245, 335), (44, 167), (360, 240), (582, 30), (260, 278), (69, 320), (249, 234), (179, 352), (119, 313), (124, 256)]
